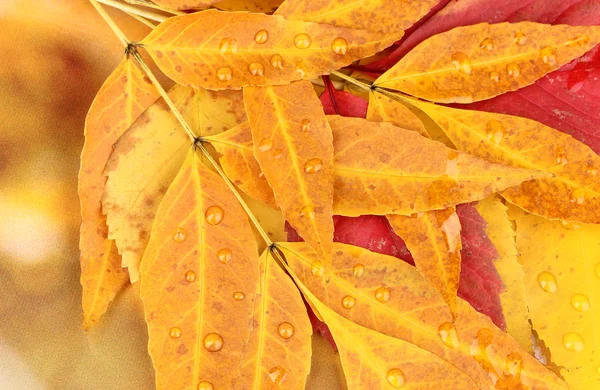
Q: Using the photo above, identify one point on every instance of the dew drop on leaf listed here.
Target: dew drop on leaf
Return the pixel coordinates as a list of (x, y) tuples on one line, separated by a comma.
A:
[(339, 46), (179, 235), (313, 165), (383, 294), (560, 156), (277, 153), (228, 45), (262, 36), (277, 374), (461, 62), (514, 363), (302, 41), (495, 131), (286, 330), (573, 342), (175, 332), (224, 74), (205, 386), (358, 270), (348, 302), (265, 145), (548, 55), (570, 225), (276, 61), (484, 337), (578, 196), (213, 342), (224, 255), (214, 215), (317, 269), (520, 38), (190, 276), (256, 69), (396, 378), (547, 282), (487, 44), (580, 302), (513, 70), (495, 76), (305, 125), (448, 334), (592, 171), (239, 296)]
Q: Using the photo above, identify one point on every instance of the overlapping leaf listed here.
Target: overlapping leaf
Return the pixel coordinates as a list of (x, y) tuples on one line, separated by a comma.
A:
[(123, 97), (562, 283), (185, 4), (223, 50), (478, 62), (384, 109), (342, 103), (293, 145), (265, 6), (382, 169), (572, 195)]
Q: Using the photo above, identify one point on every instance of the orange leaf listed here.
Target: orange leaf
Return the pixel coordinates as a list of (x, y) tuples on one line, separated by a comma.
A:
[(293, 145), (478, 62), (228, 50), (185, 4), (433, 239), (385, 109), (123, 97), (264, 6)]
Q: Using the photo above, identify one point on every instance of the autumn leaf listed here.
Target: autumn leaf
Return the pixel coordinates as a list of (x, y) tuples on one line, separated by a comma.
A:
[(213, 49), (124, 96), (265, 6), (561, 285), (293, 145), (185, 4), (411, 174), (271, 221), (342, 102), (385, 109), (478, 62), (572, 194)]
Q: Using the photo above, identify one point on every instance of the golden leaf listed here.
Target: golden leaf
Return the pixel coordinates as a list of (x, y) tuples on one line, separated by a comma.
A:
[(388, 295), (478, 62), (272, 221), (502, 235), (562, 285), (573, 194), (185, 4), (201, 256), (228, 50), (433, 238), (147, 158), (123, 97), (384, 109), (293, 145), (236, 152), (382, 169), (264, 6)]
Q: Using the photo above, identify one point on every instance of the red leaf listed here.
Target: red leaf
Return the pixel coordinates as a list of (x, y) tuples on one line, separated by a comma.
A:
[(341, 102)]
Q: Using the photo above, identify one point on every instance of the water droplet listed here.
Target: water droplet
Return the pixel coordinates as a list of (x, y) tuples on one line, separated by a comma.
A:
[(547, 282), (276, 61), (484, 337), (213, 342), (462, 62), (265, 145), (277, 375), (592, 171), (348, 302), (179, 235), (570, 225), (495, 76), (495, 131), (548, 55), (513, 70), (205, 386), (597, 270), (560, 155), (339, 46), (579, 40), (317, 269), (224, 74), (301, 72), (396, 378), (286, 330), (514, 363), (302, 41), (228, 45), (520, 38), (307, 211), (448, 334), (313, 165), (580, 302), (305, 125), (383, 294), (358, 270), (573, 342), (277, 153), (578, 196), (190, 276), (224, 255), (487, 44), (214, 215), (239, 296), (262, 36), (175, 332), (256, 69)]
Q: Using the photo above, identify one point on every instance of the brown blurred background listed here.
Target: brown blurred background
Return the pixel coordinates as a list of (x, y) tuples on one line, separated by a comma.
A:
[(55, 56)]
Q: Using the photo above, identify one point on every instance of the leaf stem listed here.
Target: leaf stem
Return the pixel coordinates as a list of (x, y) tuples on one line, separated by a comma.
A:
[(149, 4), (111, 23), (142, 20), (352, 80), (134, 10)]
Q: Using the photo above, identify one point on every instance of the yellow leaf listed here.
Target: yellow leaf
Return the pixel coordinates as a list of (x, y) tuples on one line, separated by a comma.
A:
[(236, 155), (272, 221), (573, 194), (389, 17), (478, 62), (279, 348), (384, 109), (264, 6), (293, 145), (433, 238), (562, 285), (228, 50), (389, 296), (382, 169), (147, 157), (502, 235), (185, 4), (123, 97)]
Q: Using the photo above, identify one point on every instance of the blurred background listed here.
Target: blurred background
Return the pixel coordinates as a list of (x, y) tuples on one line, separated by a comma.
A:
[(55, 56)]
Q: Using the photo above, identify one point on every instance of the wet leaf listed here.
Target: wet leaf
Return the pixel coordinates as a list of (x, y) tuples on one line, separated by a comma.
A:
[(562, 285), (482, 61), (572, 195), (228, 50), (185, 4), (433, 239), (265, 6), (293, 145), (272, 221), (123, 97), (382, 169), (385, 109)]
